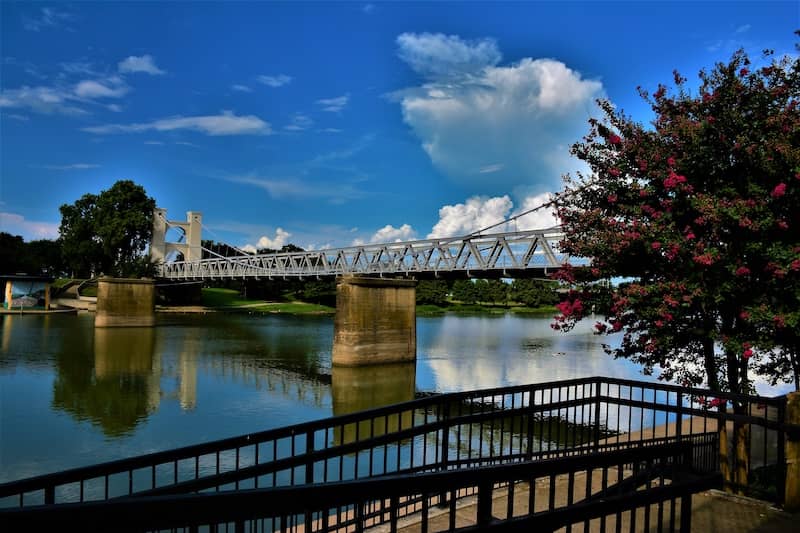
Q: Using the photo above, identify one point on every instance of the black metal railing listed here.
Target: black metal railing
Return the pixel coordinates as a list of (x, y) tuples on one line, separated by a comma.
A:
[(598, 490), (440, 432)]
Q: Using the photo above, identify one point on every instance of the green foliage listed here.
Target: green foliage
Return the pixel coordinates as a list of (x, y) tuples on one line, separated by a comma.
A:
[(34, 258), (534, 292), (464, 290), (432, 292), (108, 233), (700, 211)]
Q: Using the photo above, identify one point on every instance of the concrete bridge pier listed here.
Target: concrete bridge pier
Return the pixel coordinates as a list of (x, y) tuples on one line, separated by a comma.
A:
[(125, 302), (375, 322)]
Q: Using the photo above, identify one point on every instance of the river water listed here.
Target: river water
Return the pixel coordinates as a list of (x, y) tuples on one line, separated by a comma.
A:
[(72, 395)]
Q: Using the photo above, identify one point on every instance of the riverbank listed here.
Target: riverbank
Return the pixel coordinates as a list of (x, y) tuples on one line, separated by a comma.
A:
[(217, 300)]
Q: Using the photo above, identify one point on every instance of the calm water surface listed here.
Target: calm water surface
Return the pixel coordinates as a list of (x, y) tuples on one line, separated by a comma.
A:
[(72, 395)]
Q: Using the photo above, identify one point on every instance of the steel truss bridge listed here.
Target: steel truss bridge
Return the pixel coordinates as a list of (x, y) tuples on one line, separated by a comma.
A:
[(515, 254)]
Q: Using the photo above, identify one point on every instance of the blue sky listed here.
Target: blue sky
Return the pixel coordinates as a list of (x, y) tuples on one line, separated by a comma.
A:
[(327, 124)]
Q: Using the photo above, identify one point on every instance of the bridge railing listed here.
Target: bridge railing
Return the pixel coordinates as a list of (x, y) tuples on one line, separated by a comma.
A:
[(510, 253), (440, 432), (600, 491)]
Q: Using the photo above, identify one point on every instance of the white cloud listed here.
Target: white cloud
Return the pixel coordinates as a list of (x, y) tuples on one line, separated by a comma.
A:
[(241, 88), (334, 105), (73, 166), (299, 122), (143, 63), (540, 219), (154, 143), (16, 224), (473, 118), (45, 100), (111, 88), (368, 8), (330, 130), (275, 81), (226, 123), (15, 116), (295, 188), (476, 213), (47, 18), (389, 233), (276, 243), (489, 169), (436, 55), (479, 212), (116, 108), (744, 28)]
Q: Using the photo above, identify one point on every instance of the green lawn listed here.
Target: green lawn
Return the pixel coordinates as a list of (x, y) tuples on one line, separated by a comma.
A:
[(223, 298), (229, 299)]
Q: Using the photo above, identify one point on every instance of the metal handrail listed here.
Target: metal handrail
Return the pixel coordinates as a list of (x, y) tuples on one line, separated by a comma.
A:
[(448, 430)]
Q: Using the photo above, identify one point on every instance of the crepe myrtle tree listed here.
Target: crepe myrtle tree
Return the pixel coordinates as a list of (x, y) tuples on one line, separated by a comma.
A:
[(700, 212)]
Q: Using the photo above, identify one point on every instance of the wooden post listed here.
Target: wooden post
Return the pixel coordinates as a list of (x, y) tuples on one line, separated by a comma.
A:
[(46, 296), (792, 486)]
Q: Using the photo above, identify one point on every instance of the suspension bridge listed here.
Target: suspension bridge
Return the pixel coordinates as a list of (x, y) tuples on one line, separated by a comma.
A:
[(514, 254)]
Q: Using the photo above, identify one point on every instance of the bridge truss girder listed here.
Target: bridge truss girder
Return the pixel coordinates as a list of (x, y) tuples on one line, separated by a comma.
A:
[(513, 254)]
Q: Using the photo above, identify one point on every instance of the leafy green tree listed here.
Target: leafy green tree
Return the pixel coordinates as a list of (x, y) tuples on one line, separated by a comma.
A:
[(534, 292), (432, 292), (464, 290), (700, 212), (497, 291), (108, 233)]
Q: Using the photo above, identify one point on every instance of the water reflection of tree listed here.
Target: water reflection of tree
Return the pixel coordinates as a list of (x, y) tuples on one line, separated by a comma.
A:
[(110, 380)]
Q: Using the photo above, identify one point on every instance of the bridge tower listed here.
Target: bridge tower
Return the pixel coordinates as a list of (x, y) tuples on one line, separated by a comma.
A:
[(191, 248)]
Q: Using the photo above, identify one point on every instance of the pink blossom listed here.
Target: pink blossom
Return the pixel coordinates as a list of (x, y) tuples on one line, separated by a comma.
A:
[(671, 161), (783, 224), (716, 402), (744, 315), (614, 139), (779, 321), (705, 259), (742, 271), (744, 72), (600, 327), (748, 353), (779, 190), (795, 265), (612, 198), (643, 193), (614, 172), (617, 325), (656, 245), (690, 236)]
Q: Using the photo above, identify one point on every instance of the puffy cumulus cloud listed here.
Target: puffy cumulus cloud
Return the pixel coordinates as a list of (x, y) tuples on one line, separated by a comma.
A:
[(144, 63), (539, 219), (476, 213), (16, 224), (389, 233), (481, 212), (494, 127), (435, 55), (226, 123), (274, 243)]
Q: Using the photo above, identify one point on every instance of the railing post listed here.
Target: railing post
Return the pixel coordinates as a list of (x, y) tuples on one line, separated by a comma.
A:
[(50, 495), (484, 514), (597, 415), (791, 462), (445, 446)]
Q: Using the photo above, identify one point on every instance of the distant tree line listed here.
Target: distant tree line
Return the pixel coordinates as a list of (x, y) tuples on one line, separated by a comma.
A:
[(40, 257), (529, 292)]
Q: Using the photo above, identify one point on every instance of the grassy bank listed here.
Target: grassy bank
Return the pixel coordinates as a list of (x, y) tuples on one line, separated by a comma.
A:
[(229, 300)]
